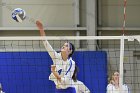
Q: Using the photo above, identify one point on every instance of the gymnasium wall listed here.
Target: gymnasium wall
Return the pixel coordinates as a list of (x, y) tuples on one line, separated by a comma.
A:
[(28, 72), (112, 13), (51, 12), (83, 12)]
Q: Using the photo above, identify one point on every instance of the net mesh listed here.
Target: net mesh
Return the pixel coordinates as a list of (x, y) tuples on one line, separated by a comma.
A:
[(25, 64), (131, 62)]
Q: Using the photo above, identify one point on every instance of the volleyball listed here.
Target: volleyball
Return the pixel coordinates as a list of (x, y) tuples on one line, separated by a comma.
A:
[(18, 15)]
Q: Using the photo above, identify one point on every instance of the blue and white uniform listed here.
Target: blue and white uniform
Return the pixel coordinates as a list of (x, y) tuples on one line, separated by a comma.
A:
[(111, 89), (65, 68), (80, 87)]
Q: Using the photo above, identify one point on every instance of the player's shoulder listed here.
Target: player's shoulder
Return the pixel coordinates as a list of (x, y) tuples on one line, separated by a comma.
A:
[(110, 85), (125, 86), (57, 54)]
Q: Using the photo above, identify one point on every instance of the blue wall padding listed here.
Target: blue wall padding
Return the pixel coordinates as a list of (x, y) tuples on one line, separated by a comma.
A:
[(28, 72), (93, 70)]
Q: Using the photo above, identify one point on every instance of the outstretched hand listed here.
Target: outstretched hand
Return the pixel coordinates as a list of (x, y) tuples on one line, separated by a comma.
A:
[(40, 27)]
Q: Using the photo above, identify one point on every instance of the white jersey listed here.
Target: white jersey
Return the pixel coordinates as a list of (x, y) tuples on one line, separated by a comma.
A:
[(111, 89), (67, 68), (80, 87)]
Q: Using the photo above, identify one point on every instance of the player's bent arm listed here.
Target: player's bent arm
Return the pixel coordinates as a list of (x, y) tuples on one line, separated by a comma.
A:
[(55, 73), (63, 80)]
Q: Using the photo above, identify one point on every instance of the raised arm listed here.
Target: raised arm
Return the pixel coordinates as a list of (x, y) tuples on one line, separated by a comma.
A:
[(63, 80), (47, 45)]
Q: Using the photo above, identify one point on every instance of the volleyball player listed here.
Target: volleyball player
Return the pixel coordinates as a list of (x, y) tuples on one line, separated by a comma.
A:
[(113, 86), (79, 86), (63, 62)]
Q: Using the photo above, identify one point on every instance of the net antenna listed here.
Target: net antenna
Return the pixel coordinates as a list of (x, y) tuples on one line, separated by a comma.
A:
[(124, 18), (122, 50)]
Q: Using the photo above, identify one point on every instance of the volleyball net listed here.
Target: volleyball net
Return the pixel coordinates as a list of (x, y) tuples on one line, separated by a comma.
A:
[(25, 63)]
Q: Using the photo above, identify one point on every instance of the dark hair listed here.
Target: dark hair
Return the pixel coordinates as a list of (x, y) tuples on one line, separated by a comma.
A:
[(71, 48), (74, 77)]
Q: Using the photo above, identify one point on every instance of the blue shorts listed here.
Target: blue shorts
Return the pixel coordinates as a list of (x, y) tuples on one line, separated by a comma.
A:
[(68, 90)]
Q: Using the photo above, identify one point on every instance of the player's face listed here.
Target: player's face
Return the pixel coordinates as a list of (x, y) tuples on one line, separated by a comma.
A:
[(116, 76), (66, 48)]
